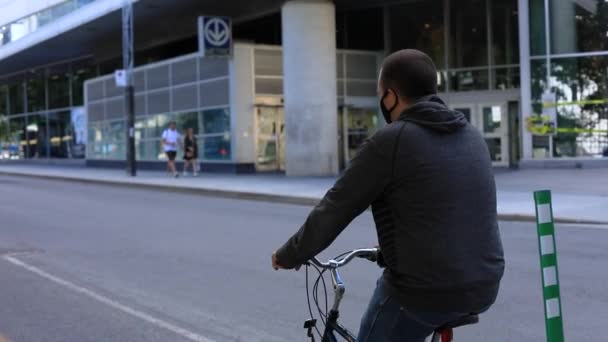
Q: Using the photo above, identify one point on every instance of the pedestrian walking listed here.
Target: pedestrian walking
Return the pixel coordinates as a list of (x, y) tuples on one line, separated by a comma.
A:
[(190, 152), (170, 140)]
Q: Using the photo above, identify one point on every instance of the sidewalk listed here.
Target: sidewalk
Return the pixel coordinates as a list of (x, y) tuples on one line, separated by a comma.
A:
[(579, 195)]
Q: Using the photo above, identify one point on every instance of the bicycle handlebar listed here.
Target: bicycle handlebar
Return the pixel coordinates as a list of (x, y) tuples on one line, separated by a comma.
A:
[(367, 253)]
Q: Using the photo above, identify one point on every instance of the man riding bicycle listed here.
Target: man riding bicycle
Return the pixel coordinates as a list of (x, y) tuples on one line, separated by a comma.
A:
[(429, 180)]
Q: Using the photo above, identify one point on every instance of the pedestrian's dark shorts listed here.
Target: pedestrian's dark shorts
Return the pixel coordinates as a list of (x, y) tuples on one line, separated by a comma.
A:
[(171, 155)]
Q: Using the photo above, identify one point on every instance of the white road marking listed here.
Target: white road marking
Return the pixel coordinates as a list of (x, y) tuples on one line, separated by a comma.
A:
[(105, 300)]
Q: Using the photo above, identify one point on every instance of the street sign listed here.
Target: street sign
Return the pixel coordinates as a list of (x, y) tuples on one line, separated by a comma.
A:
[(120, 77), (215, 36)]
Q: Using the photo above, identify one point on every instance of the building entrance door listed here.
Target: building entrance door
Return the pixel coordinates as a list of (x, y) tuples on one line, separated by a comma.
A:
[(270, 140), (492, 120)]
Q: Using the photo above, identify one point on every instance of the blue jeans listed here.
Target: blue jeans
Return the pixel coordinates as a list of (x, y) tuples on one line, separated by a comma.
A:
[(386, 320)]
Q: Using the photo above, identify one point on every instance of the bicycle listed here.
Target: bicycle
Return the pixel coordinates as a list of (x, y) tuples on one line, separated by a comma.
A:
[(332, 327)]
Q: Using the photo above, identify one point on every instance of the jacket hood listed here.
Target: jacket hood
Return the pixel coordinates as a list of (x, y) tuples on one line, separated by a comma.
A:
[(431, 112)]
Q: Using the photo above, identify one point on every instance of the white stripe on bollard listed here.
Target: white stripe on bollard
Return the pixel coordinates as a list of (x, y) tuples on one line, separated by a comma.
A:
[(552, 307), (544, 213), (550, 276), (546, 245)]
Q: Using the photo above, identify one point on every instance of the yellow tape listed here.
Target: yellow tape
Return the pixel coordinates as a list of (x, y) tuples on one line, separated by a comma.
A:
[(581, 130), (572, 103), (541, 125)]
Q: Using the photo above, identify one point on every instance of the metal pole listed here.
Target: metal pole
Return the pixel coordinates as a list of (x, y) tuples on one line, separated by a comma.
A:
[(127, 55)]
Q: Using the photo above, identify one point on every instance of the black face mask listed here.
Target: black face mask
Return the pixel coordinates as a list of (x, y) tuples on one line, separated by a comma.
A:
[(386, 112)]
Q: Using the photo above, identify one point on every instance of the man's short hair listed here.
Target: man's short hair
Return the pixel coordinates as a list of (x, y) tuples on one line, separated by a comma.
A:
[(411, 73)]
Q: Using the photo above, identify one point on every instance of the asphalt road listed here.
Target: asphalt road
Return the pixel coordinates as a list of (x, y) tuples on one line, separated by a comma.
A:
[(99, 263)]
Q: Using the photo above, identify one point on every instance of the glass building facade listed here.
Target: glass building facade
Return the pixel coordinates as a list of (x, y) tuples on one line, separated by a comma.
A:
[(569, 58), (42, 114), (190, 90)]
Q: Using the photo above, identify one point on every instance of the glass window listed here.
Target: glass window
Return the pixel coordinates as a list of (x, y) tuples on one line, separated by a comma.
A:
[(216, 147), (537, 28), (352, 35), (492, 119), (506, 78), (36, 136), (417, 25), (581, 85), (216, 121), (80, 73), (115, 140), (3, 100), (60, 134), (150, 150), (505, 32), (140, 127), (494, 147), (59, 87), (187, 120), (469, 80), (16, 135), (4, 138), (36, 97), (95, 141), (468, 41), (578, 26), (16, 97)]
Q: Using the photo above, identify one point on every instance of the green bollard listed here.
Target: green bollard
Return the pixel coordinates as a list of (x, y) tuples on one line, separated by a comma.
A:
[(548, 265)]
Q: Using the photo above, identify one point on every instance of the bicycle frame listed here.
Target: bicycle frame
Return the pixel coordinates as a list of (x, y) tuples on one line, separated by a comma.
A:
[(332, 326)]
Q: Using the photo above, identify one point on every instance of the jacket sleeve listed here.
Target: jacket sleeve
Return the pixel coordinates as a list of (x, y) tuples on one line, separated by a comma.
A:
[(361, 183)]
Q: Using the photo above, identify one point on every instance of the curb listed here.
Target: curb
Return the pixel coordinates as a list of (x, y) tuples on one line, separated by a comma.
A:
[(255, 196)]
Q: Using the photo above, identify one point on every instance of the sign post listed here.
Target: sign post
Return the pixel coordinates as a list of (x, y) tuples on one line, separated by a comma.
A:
[(548, 263), (215, 36), (126, 80)]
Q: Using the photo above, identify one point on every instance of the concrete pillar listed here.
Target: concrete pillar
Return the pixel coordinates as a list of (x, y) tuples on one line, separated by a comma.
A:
[(563, 26), (309, 87), (242, 109)]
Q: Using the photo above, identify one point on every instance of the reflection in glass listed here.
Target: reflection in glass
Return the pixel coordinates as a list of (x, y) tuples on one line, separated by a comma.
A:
[(537, 28), (81, 72), (578, 26), (3, 100), (495, 148), (115, 140), (492, 119), (469, 43), (59, 87), (581, 85), (36, 97), (216, 147), (505, 47), (95, 137), (16, 137), (36, 136), (60, 133), (418, 25), (16, 96), (469, 80), (187, 120), (216, 121), (506, 78)]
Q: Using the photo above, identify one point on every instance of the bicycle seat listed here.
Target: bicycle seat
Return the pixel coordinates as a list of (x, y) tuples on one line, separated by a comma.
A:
[(459, 322)]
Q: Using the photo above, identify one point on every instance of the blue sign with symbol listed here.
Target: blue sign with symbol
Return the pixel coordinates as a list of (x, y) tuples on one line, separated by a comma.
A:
[(215, 36)]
